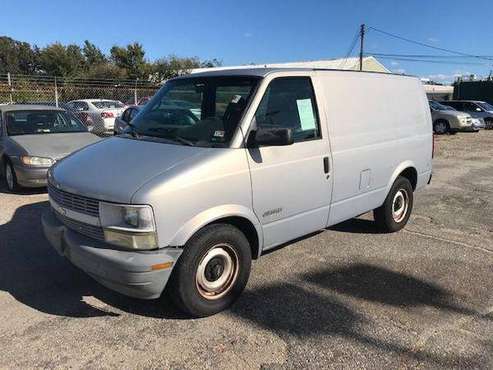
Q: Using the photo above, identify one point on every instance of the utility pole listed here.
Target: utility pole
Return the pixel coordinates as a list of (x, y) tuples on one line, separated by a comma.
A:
[(362, 40)]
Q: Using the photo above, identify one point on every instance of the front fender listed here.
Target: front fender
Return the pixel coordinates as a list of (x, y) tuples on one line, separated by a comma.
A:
[(206, 217)]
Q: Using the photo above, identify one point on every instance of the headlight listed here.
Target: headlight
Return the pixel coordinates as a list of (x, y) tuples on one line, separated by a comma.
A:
[(130, 226), (36, 161)]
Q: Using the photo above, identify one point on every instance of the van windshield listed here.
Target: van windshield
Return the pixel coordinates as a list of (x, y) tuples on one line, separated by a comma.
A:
[(486, 106), (202, 111)]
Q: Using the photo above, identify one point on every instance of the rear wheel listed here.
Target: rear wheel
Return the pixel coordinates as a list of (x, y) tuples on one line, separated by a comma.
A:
[(488, 124), (10, 177), (441, 127), (393, 215), (212, 271)]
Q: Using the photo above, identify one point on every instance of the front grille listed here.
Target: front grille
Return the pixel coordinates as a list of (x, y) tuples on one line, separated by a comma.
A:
[(95, 232), (78, 203)]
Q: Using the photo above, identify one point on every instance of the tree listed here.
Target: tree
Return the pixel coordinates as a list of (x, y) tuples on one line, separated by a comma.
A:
[(17, 56), (93, 55), (59, 60), (211, 63), (105, 71), (172, 66), (132, 59)]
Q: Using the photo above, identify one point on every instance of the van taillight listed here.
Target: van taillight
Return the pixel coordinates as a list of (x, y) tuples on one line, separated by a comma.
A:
[(107, 114)]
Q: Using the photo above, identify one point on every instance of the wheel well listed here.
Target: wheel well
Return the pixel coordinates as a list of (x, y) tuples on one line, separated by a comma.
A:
[(440, 120), (247, 228), (411, 174)]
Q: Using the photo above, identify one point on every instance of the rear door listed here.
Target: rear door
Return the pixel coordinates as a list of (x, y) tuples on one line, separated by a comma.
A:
[(291, 184)]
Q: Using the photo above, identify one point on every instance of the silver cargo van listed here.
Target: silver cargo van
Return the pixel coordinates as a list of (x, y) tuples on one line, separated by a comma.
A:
[(191, 193)]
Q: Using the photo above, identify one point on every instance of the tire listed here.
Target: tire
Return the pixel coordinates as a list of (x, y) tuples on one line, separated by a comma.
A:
[(212, 271), (393, 215), (441, 127), (488, 124), (10, 177)]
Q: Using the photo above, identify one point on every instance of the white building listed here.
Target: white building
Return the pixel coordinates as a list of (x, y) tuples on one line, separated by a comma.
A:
[(369, 64)]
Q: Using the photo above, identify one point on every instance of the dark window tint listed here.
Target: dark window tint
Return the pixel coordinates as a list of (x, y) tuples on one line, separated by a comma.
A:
[(290, 103), (79, 106), (126, 115), (133, 113), (41, 122)]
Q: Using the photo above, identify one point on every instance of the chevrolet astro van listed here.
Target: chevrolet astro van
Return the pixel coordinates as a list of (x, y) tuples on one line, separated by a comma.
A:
[(191, 193)]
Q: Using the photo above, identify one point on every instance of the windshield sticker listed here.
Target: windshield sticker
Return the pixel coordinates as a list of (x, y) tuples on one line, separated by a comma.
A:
[(305, 111), (218, 133), (236, 99)]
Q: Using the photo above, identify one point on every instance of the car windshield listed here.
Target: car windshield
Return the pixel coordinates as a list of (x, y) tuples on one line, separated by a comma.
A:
[(32, 122), (196, 111), (485, 106), (437, 106), (107, 104)]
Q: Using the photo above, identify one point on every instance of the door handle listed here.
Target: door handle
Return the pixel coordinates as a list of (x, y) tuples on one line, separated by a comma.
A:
[(326, 165)]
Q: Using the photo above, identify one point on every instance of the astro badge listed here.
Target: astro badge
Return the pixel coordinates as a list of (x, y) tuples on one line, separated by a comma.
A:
[(219, 133)]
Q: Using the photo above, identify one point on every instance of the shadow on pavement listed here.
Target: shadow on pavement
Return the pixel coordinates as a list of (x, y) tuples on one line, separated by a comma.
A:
[(357, 226), (297, 313), (378, 284), (35, 275)]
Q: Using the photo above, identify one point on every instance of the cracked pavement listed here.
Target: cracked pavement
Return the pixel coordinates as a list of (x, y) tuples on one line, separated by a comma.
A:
[(345, 297)]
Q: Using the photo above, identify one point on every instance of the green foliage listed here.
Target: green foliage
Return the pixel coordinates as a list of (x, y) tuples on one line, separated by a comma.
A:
[(17, 56), (88, 61)]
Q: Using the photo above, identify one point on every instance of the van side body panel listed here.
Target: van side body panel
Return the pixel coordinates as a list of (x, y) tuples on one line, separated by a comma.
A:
[(379, 125)]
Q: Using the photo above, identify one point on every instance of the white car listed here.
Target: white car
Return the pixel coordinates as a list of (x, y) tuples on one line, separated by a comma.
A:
[(98, 114)]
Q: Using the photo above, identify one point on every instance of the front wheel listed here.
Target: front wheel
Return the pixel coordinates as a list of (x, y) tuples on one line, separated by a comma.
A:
[(441, 127), (10, 177), (393, 215), (212, 271)]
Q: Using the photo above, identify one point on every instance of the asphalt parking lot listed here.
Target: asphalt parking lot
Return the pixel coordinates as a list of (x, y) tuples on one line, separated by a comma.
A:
[(345, 297)]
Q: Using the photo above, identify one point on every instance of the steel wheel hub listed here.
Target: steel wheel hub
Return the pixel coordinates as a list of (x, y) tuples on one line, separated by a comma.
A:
[(400, 204), (217, 271)]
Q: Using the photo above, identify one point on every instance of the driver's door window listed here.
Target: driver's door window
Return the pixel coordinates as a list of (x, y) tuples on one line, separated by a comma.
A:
[(289, 102)]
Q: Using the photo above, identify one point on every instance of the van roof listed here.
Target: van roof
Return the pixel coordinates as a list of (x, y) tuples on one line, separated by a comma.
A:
[(262, 72)]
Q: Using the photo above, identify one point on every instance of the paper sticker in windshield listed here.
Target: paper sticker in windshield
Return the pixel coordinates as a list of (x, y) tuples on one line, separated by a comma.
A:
[(236, 99), (218, 133)]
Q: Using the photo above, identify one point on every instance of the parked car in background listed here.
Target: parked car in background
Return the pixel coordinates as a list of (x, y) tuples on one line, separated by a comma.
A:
[(141, 101), (187, 202), (32, 138), (476, 108), (98, 114), (121, 123), (447, 120)]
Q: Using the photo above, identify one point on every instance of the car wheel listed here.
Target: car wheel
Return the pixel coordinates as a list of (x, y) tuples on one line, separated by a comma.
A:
[(488, 124), (212, 271), (441, 127), (10, 177), (393, 215)]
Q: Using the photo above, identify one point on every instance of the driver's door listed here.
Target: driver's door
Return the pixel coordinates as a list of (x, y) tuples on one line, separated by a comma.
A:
[(291, 184)]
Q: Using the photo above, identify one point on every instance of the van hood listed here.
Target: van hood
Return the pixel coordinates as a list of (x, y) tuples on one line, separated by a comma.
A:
[(114, 169), (55, 146)]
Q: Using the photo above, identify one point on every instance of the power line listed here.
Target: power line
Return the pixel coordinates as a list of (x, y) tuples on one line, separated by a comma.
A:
[(428, 61), (423, 55), (428, 45), (350, 50)]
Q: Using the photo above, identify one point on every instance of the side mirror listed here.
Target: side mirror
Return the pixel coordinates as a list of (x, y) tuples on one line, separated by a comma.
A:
[(478, 109), (271, 137)]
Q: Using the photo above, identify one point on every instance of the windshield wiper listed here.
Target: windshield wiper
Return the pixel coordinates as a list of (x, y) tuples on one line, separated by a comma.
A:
[(175, 138)]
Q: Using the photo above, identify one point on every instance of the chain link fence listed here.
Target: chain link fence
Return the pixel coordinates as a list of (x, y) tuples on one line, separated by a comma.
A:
[(61, 92)]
